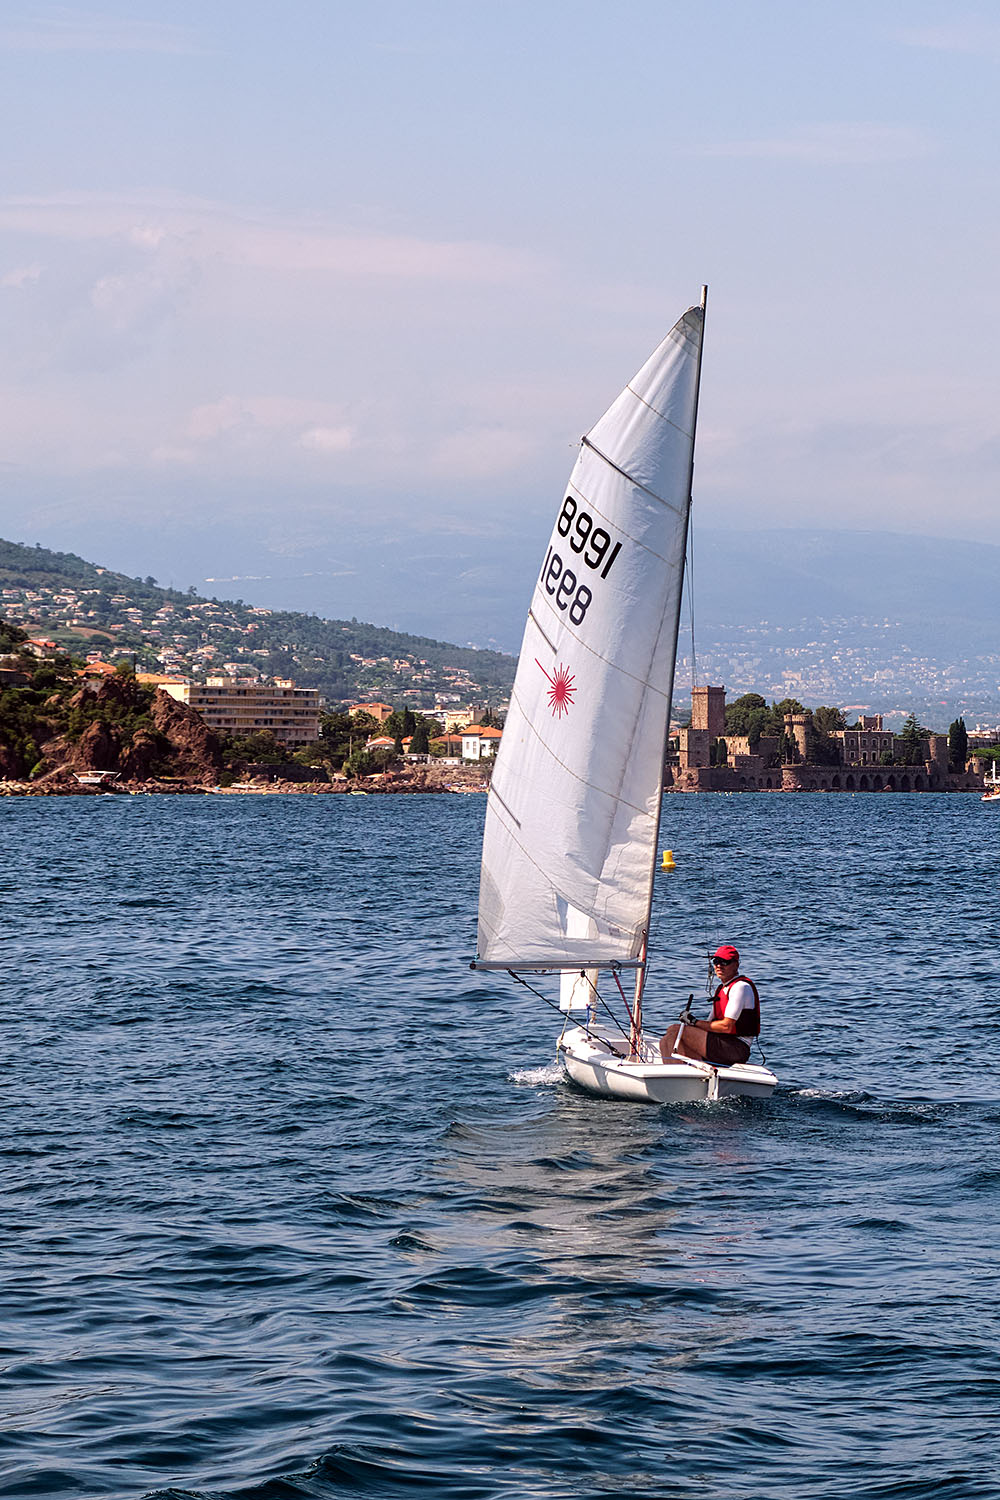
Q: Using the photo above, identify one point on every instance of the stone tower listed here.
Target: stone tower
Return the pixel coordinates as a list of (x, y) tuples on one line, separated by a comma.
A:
[(798, 727), (708, 710)]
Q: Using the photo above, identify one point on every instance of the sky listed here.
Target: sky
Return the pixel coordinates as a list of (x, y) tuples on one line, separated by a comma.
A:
[(281, 286)]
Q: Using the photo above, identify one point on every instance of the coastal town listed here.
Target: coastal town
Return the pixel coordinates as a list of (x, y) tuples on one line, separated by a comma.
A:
[(110, 682), (228, 732), (96, 614)]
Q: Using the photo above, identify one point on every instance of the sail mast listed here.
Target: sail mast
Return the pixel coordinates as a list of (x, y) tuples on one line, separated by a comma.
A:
[(640, 978)]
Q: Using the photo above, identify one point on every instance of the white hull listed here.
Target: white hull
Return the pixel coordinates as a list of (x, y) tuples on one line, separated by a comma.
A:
[(591, 1063)]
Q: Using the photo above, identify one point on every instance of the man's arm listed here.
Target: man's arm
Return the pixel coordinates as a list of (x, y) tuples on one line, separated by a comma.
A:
[(727, 1024)]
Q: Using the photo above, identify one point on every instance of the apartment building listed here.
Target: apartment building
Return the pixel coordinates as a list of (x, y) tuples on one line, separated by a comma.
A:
[(246, 706)]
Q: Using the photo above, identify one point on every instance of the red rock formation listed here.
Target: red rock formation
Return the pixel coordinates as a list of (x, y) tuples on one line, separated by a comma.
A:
[(140, 760), (197, 750), (97, 749)]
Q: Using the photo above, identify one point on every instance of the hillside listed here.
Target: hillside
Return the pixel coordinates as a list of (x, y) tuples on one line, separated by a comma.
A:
[(87, 608)]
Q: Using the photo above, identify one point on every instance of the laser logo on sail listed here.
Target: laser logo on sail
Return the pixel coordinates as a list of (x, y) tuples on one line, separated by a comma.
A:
[(561, 689)]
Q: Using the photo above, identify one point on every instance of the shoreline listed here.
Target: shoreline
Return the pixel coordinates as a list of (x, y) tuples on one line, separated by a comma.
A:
[(450, 781)]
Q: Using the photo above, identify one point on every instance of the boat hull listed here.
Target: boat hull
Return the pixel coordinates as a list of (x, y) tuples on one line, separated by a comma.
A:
[(592, 1065)]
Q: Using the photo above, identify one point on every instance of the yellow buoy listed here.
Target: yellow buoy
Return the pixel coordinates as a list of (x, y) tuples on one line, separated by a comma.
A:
[(669, 862)]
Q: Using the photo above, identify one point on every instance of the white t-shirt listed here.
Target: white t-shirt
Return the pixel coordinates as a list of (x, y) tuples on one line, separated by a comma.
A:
[(739, 999)]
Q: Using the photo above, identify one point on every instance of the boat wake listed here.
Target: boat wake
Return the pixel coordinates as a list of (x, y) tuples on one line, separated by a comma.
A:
[(538, 1077)]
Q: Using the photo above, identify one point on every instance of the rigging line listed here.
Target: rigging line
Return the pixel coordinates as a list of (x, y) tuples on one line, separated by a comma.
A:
[(531, 989), (689, 579), (553, 1006), (628, 1008), (711, 919), (600, 1001)]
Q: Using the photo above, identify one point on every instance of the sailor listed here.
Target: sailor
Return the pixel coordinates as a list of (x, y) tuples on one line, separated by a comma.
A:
[(735, 1015)]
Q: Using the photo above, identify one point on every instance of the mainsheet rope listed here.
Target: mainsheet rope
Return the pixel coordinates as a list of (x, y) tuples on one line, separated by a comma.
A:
[(554, 1006)]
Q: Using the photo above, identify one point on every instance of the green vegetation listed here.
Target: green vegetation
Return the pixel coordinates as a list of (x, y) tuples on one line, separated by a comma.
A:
[(260, 748), (346, 660), (911, 750), (750, 716), (958, 744)]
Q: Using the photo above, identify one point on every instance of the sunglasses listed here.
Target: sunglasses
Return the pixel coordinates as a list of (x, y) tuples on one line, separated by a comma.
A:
[(722, 962)]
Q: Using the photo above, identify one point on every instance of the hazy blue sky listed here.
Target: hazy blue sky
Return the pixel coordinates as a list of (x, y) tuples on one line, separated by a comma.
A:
[(274, 278)]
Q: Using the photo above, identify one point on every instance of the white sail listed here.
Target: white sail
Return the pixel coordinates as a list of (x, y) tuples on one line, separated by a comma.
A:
[(573, 810)]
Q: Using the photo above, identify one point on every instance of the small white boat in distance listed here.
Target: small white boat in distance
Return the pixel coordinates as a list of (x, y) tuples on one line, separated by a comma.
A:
[(992, 785), (573, 813)]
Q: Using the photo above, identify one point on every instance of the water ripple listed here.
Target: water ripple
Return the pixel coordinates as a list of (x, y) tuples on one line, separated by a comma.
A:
[(295, 1207)]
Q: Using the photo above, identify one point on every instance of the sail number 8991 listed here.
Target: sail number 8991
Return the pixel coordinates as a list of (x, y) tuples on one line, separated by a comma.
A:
[(591, 541), (592, 544)]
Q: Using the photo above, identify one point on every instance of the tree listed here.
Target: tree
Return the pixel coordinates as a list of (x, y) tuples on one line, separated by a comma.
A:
[(420, 743), (911, 742), (826, 720), (825, 750), (739, 713), (775, 722), (748, 716), (259, 748), (958, 744), (361, 763), (11, 635)]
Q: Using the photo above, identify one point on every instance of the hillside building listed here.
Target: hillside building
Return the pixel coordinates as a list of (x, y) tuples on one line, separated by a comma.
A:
[(377, 711), (479, 742), (246, 706)]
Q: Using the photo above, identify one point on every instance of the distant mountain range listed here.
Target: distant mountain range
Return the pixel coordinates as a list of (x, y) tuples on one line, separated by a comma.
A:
[(946, 594)]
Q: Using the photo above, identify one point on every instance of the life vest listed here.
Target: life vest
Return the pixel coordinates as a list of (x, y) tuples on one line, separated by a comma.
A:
[(748, 1021)]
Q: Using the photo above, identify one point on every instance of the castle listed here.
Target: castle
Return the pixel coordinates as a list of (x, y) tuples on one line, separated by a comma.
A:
[(860, 767)]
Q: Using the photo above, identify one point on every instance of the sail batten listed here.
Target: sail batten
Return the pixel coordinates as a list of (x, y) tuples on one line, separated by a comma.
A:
[(629, 477), (572, 819)]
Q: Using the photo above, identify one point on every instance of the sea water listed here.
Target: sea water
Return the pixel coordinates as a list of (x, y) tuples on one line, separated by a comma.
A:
[(294, 1205)]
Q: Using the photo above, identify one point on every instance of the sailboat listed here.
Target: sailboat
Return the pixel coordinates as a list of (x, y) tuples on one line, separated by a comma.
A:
[(991, 785), (573, 812)]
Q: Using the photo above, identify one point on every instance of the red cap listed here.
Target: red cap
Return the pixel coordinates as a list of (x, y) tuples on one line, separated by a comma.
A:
[(727, 952)]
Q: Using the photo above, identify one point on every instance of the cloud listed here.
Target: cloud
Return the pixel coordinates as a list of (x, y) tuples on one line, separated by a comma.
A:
[(212, 230), (326, 439), (845, 144), (853, 470), (98, 307), (21, 276), (305, 418), (481, 453), (972, 34), (62, 29)]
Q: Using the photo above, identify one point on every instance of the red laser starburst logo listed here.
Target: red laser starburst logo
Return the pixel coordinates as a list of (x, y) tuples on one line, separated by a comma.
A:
[(561, 689)]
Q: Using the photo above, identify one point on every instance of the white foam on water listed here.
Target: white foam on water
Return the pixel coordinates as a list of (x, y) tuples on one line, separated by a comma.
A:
[(826, 1093), (535, 1077)]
